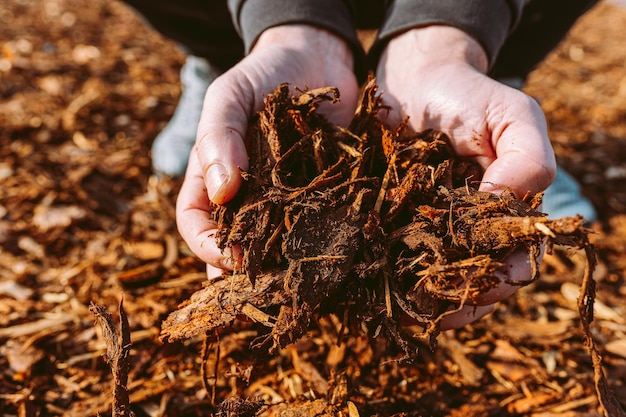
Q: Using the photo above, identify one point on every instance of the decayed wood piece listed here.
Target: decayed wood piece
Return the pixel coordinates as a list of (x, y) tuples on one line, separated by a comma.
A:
[(220, 302)]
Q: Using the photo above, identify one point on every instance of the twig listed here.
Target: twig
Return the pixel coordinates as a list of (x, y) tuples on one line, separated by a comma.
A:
[(118, 345), (610, 405), (206, 352)]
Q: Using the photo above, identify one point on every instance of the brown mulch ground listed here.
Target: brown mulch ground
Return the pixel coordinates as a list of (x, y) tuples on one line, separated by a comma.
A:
[(85, 88)]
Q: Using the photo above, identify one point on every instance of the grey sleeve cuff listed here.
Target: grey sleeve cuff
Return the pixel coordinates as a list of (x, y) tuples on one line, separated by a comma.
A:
[(487, 21), (252, 17)]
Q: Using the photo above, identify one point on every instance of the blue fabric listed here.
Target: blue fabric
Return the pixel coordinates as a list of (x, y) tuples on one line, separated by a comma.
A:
[(564, 199)]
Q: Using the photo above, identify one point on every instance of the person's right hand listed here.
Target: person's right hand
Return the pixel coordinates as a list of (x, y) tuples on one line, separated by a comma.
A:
[(301, 55)]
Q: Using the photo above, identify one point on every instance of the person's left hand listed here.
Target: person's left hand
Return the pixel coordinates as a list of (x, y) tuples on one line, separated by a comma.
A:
[(301, 55), (435, 75)]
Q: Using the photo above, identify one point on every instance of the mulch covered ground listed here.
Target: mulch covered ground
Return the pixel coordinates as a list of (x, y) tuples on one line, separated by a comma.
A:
[(84, 225)]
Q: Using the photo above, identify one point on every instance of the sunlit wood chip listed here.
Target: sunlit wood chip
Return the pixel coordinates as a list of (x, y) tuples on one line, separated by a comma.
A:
[(601, 311), (616, 347), (544, 229), (352, 410)]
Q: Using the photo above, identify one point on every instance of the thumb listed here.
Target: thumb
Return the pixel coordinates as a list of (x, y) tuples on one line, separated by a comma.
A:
[(220, 144), (525, 161)]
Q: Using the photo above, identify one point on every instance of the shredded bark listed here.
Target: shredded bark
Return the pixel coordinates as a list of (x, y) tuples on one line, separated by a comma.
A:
[(326, 210)]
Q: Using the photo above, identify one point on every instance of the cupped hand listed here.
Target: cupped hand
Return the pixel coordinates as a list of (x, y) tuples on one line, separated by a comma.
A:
[(304, 57), (435, 75)]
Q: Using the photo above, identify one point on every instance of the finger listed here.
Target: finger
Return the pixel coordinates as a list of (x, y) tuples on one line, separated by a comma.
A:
[(220, 145), (465, 316), (213, 273), (525, 161), (194, 220), (517, 268)]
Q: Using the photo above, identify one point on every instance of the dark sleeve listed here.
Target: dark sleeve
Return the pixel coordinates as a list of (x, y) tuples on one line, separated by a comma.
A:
[(252, 17), (487, 21)]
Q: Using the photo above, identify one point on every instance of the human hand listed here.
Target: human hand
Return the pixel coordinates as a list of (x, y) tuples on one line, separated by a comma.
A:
[(303, 56), (436, 76)]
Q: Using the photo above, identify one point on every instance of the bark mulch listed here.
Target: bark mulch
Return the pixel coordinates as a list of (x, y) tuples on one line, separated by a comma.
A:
[(97, 289)]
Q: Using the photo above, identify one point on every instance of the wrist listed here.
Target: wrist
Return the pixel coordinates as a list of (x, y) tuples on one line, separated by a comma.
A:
[(309, 39), (436, 45)]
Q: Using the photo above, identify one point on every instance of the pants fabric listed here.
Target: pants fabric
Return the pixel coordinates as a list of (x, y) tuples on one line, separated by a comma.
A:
[(204, 28)]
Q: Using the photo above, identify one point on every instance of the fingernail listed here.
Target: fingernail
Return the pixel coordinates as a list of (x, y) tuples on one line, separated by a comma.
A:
[(216, 177)]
